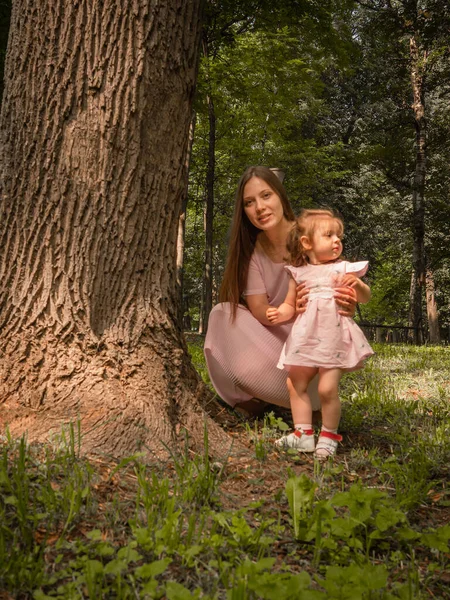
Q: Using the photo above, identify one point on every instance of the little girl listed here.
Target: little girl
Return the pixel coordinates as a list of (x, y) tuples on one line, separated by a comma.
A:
[(321, 340)]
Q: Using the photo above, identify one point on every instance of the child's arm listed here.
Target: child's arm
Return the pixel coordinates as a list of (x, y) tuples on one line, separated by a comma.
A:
[(258, 305), (286, 310), (363, 292)]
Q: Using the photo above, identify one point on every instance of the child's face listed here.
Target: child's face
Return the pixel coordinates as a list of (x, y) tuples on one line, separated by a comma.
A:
[(326, 243)]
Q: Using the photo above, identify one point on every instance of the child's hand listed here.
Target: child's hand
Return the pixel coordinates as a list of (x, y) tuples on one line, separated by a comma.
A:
[(273, 314)]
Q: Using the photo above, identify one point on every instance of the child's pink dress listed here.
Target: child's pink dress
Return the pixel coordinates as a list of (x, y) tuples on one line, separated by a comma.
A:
[(321, 337)]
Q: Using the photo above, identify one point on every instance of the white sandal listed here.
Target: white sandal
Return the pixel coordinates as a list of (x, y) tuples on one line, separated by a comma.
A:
[(299, 440), (327, 444)]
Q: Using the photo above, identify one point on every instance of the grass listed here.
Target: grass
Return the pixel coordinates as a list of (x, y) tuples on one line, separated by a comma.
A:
[(259, 523)]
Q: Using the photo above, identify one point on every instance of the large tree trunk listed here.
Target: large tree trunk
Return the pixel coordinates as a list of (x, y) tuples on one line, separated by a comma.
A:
[(95, 124), (418, 66)]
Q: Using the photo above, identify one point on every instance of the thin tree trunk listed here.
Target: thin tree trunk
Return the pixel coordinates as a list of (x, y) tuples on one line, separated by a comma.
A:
[(418, 65), (94, 134), (182, 227), (432, 310), (209, 216)]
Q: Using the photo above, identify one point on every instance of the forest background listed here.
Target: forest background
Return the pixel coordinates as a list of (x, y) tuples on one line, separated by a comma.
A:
[(350, 100)]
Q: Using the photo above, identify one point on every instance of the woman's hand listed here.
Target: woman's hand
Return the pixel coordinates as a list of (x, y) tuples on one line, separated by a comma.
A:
[(302, 293), (346, 300), (362, 290)]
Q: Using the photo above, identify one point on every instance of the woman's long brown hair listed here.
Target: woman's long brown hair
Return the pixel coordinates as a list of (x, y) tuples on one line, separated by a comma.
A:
[(243, 237)]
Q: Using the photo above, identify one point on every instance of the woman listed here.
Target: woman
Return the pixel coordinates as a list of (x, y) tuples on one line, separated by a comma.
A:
[(242, 347)]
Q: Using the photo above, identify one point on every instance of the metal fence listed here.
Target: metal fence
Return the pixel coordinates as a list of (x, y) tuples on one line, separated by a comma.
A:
[(397, 334)]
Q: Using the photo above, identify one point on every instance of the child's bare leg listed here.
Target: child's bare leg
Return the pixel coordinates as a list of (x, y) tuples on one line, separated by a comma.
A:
[(329, 397), (331, 412), (302, 438), (297, 383)]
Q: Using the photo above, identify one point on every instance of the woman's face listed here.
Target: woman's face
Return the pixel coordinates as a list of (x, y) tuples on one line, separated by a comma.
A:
[(262, 205)]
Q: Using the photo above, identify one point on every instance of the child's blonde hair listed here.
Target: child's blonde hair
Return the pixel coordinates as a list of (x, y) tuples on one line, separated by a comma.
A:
[(305, 225)]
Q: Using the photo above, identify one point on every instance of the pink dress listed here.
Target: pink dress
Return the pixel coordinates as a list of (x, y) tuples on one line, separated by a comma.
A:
[(242, 355), (321, 337)]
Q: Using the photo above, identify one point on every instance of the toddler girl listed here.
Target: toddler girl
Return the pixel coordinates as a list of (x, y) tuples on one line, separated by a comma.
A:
[(321, 340)]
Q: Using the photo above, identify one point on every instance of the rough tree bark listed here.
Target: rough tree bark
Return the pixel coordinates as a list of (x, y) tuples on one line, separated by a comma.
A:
[(94, 132)]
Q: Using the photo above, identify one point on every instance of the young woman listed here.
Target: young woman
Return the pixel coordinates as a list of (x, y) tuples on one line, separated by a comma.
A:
[(242, 346), (321, 342)]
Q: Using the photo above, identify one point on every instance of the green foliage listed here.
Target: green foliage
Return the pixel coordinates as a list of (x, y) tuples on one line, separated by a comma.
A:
[(32, 510), (300, 493), (266, 85), (324, 92), (253, 580), (195, 348), (389, 302), (262, 438), (401, 399)]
